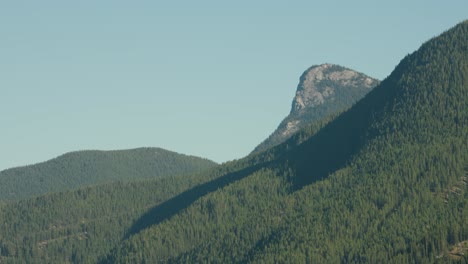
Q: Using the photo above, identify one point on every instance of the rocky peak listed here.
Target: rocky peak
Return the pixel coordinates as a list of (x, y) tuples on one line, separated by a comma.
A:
[(320, 83), (322, 90)]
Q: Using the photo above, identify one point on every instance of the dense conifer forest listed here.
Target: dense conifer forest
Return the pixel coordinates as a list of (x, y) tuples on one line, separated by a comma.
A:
[(383, 182)]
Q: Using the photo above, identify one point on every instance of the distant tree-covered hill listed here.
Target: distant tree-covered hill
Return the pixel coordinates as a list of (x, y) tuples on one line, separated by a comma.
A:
[(82, 168)]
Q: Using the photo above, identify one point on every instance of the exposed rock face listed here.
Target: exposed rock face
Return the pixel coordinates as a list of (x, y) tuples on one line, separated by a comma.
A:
[(322, 90)]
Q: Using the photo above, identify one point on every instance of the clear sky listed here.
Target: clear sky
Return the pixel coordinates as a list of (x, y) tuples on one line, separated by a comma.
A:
[(206, 78)]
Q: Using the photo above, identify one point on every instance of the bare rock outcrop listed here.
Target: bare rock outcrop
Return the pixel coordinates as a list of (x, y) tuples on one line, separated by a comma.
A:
[(322, 91)]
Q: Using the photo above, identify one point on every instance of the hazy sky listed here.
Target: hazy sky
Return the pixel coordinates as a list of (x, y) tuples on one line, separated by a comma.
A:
[(206, 78)]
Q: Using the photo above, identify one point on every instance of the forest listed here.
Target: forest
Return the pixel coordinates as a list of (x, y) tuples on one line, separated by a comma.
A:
[(384, 181), (83, 168)]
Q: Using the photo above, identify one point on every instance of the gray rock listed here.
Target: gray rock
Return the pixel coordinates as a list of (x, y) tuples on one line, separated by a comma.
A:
[(322, 91)]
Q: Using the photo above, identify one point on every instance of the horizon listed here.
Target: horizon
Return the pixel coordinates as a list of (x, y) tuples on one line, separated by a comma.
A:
[(191, 80)]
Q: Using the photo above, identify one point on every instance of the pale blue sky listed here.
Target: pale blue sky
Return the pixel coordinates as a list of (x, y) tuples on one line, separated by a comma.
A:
[(207, 78)]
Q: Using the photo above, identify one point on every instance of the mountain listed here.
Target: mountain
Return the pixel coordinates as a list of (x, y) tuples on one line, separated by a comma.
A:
[(81, 168), (383, 182), (323, 90)]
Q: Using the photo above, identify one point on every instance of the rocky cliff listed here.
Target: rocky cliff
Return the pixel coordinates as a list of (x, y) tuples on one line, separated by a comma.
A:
[(322, 91)]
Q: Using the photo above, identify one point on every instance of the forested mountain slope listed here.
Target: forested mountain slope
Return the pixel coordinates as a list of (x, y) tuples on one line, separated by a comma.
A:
[(323, 90), (82, 226), (383, 182), (85, 224), (82, 168)]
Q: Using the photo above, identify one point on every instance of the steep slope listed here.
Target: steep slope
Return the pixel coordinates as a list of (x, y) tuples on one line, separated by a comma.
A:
[(365, 188), (323, 90), (82, 168)]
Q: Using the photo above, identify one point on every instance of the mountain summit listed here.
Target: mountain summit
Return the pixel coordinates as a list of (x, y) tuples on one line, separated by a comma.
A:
[(322, 90)]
